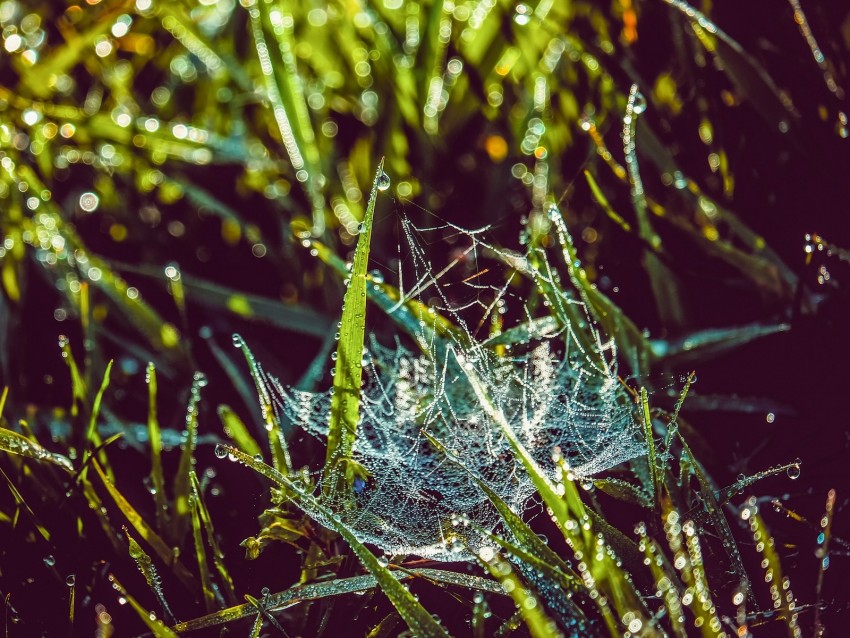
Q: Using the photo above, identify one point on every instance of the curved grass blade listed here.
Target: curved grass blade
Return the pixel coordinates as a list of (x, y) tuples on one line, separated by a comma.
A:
[(153, 623), (415, 615), (217, 554), (348, 370), (539, 624), (669, 587), (709, 343), (613, 321), (146, 566), (15, 443), (22, 504), (271, 420)]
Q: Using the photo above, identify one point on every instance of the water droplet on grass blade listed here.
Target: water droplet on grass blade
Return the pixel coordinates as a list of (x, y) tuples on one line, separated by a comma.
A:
[(794, 470), (640, 103), (384, 181), (220, 451)]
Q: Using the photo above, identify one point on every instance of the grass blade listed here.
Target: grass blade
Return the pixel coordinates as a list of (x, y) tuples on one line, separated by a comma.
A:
[(217, 554), (157, 479), (539, 624), (182, 482), (153, 623), (15, 443), (146, 566), (348, 370), (200, 551)]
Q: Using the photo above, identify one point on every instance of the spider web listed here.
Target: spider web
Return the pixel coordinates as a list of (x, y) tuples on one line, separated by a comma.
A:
[(555, 393)]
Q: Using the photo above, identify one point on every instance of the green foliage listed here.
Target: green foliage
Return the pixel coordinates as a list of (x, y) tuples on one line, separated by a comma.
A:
[(174, 172)]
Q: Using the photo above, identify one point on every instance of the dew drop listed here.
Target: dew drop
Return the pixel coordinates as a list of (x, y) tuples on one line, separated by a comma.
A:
[(383, 181), (220, 451), (49, 560), (71, 580), (794, 470), (334, 356), (640, 103), (237, 340)]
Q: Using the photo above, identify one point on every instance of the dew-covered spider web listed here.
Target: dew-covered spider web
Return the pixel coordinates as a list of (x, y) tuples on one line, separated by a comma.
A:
[(555, 386)]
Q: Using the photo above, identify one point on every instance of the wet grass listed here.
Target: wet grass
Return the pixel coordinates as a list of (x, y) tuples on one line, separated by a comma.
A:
[(173, 175)]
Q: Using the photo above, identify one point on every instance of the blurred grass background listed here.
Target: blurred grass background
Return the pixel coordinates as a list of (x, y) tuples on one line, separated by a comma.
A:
[(162, 162)]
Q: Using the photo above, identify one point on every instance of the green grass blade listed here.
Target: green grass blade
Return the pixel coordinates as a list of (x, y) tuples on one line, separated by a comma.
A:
[(766, 545), (14, 443), (420, 621), (348, 372), (79, 393), (92, 438), (666, 582), (157, 478), (613, 321), (649, 437), (662, 280), (271, 422), (705, 344), (182, 482), (22, 504), (603, 202), (539, 624), (200, 550), (148, 570), (153, 623), (217, 554), (237, 432)]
